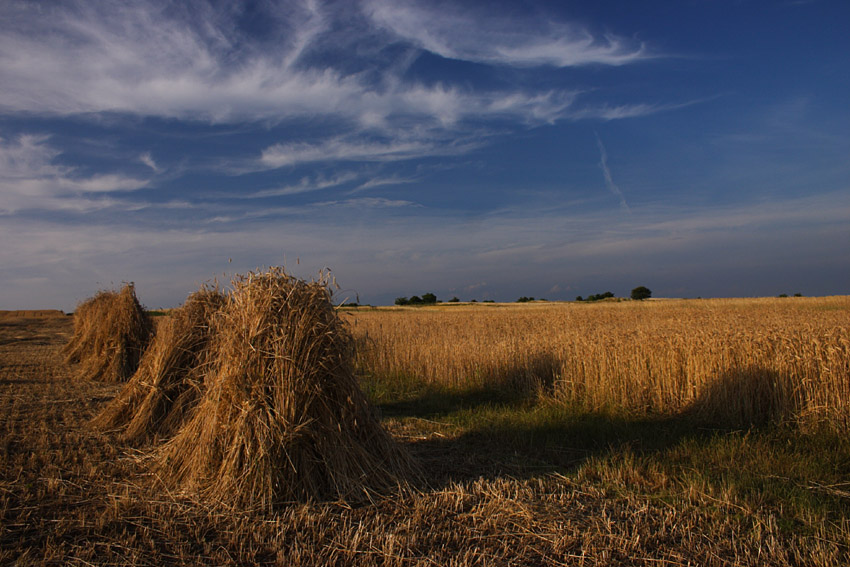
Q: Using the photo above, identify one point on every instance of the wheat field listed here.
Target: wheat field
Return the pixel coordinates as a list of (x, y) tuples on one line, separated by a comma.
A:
[(734, 361), (587, 455)]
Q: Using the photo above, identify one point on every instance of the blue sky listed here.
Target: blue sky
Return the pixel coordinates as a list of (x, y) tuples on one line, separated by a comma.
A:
[(483, 150)]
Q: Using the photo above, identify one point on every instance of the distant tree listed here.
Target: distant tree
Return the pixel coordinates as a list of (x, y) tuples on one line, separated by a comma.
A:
[(782, 295), (402, 301), (524, 299), (415, 300), (429, 298), (454, 300), (579, 298), (641, 292), (473, 301), (488, 301), (798, 294)]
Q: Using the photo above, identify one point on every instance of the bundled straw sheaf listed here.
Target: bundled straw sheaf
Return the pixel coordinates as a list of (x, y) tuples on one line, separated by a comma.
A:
[(282, 417), (111, 331), (162, 393)]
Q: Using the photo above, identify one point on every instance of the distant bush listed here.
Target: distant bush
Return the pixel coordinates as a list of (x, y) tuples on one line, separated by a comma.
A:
[(596, 296), (426, 299), (524, 299), (641, 292), (454, 300)]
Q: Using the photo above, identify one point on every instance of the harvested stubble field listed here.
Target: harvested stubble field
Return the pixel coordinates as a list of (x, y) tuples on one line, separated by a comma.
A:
[(708, 432)]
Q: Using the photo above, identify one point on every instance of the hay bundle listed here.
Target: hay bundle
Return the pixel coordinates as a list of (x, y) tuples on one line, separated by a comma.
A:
[(111, 331), (282, 417), (161, 394)]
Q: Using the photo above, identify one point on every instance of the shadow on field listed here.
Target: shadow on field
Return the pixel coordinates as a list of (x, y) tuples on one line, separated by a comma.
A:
[(495, 433), (527, 450), (747, 396)]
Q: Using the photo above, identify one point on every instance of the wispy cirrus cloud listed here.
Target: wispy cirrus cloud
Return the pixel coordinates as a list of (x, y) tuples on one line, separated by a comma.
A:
[(305, 185), (455, 31), (153, 59), (606, 173), (607, 112), (31, 180), (382, 181), (309, 184), (147, 159), (347, 148), (207, 65)]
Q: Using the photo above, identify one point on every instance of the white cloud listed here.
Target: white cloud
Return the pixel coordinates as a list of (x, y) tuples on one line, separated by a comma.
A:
[(617, 112), (382, 181), (147, 59), (452, 32), (31, 180), (306, 185), (608, 112), (410, 145), (606, 173), (372, 203), (147, 159)]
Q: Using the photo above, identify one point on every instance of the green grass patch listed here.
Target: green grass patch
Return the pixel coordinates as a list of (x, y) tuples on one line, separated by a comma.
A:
[(793, 476)]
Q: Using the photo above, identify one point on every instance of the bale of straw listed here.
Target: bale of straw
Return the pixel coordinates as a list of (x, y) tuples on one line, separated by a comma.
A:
[(111, 331), (160, 396), (282, 418)]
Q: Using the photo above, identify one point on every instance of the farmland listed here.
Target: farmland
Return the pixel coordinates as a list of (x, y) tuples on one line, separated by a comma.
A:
[(702, 432)]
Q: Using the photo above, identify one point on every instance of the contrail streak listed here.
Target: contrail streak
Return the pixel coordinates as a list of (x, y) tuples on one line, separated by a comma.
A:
[(609, 182)]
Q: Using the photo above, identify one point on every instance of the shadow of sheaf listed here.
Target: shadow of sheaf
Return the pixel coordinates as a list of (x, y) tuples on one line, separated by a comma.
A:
[(545, 437), (526, 376), (743, 397)]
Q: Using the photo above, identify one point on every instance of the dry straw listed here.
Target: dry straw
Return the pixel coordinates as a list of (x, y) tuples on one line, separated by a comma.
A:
[(111, 331), (162, 393), (282, 417)]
